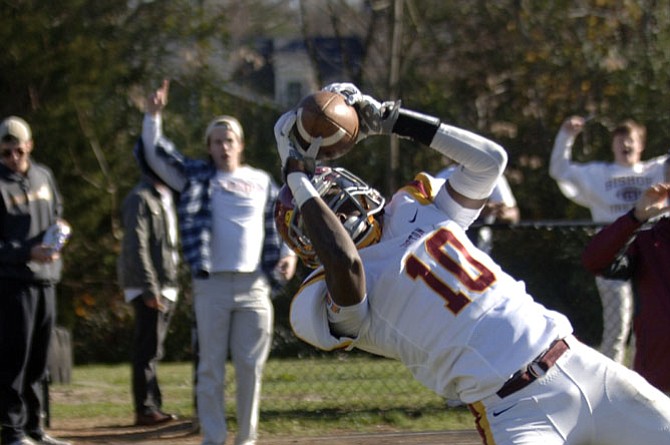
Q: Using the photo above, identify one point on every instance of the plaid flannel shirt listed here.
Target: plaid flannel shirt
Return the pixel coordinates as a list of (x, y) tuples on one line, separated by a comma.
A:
[(195, 213)]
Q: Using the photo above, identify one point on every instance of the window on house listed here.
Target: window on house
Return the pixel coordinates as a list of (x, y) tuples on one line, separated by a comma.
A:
[(294, 92)]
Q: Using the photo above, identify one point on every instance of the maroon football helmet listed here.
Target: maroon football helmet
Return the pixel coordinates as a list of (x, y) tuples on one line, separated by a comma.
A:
[(358, 205)]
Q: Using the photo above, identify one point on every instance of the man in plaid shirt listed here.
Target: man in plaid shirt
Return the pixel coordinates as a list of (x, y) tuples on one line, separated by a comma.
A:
[(231, 244)]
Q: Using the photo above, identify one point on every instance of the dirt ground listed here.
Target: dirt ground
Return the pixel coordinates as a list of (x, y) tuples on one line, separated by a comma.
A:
[(181, 432)]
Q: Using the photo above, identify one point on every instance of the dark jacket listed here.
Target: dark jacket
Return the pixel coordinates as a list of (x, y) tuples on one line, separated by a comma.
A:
[(146, 261), (28, 206), (626, 249)]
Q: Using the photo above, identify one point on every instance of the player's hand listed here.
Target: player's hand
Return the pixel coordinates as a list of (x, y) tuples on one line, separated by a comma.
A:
[(352, 95), (157, 100), (374, 117), (289, 149)]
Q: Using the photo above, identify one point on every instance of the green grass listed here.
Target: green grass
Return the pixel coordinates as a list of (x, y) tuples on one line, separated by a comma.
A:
[(306, 396)]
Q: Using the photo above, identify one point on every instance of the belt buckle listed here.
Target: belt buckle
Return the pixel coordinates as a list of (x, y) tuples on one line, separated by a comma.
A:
[(535, 369)]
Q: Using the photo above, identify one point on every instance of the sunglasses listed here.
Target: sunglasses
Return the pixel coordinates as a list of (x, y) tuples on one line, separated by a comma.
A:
[(7, 153)]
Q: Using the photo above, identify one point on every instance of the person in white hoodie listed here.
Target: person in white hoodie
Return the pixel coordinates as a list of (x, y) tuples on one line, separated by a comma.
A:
[(608, 190)]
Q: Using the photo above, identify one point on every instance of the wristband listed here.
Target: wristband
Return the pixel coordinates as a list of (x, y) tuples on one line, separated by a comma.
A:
[(417, 126), (301, 187)]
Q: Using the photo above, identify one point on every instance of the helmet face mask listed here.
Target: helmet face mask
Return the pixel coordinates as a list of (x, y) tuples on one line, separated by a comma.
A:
[(358, 206)]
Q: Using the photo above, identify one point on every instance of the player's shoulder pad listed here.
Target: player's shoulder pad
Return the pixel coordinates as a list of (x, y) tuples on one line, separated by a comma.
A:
[(424, 187)]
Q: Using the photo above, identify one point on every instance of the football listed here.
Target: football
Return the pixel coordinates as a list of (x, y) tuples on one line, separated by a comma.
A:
[(327, 115)]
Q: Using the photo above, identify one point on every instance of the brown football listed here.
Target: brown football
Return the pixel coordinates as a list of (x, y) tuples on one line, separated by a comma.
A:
[(327, 115)]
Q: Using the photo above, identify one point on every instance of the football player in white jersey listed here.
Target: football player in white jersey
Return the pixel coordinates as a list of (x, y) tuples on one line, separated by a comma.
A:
[(608, 190), (402, 280)]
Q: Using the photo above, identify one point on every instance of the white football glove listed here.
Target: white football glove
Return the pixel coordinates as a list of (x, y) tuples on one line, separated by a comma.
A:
[(374, 117), (286, 145), (351, 93)]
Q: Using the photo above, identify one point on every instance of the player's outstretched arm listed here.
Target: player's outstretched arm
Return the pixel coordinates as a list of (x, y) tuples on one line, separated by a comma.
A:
[(337, 253), (483, 161)]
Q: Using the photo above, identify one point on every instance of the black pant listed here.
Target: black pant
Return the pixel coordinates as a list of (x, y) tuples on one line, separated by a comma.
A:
[(151, 328), (27, 318)]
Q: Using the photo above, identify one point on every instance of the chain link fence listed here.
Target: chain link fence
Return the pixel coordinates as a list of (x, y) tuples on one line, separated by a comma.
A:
[(544, 255)]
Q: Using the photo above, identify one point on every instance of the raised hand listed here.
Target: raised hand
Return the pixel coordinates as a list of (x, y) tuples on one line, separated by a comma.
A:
[(573, 125), (157, 100)]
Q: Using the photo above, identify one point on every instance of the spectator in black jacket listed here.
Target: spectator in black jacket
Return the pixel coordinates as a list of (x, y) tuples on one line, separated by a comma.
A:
[(148, 269), (30, 267)]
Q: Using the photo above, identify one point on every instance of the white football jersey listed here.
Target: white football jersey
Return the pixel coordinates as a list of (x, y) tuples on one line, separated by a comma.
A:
[(607, 189), (610, 190), (436, 303)]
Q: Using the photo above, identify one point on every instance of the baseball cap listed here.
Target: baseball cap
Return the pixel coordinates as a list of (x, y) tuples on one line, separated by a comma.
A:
[(16, 127), (225, 121)]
